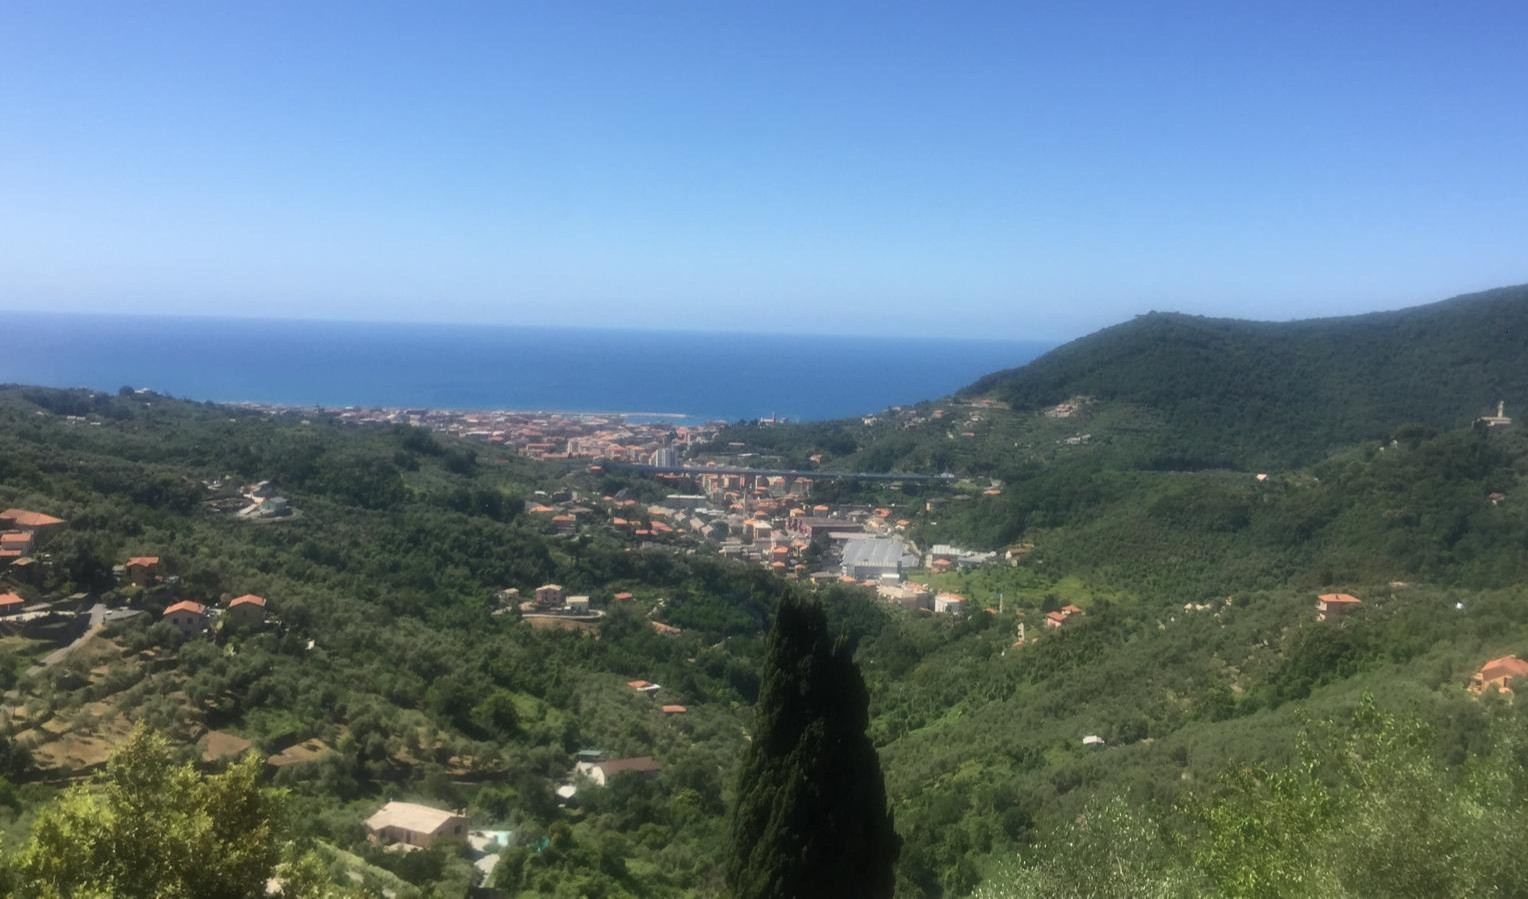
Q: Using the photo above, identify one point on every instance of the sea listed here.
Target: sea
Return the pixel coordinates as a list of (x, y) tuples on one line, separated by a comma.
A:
[(681, 374)]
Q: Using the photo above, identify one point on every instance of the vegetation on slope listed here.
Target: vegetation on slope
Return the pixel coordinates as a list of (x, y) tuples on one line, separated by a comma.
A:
[(1239, 393)]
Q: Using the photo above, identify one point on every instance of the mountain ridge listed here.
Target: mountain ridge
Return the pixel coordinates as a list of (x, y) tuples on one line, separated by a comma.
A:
[(1248, 392)]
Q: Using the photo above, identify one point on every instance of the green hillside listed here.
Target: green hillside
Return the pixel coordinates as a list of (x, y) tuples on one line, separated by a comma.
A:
[(1216, 697), (1246, 393)]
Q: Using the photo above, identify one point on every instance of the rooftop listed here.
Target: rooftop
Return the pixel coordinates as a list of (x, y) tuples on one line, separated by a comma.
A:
[(875, 552), (410, 816), (28, 519)]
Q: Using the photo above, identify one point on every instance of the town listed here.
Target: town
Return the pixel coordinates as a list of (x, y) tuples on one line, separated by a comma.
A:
[(649, 438)]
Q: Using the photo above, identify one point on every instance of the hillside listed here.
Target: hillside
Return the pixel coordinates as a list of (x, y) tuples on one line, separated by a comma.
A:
[(1242, 393), (386, 675)]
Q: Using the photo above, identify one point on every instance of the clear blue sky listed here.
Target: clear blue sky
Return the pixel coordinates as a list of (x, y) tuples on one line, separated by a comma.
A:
[(1001, 169)]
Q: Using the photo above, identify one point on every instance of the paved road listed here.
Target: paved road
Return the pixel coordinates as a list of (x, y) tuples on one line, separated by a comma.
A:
[(779, 472), (97, 621)]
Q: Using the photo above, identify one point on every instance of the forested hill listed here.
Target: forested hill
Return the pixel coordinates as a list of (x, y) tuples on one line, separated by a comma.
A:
[(1257, 393)]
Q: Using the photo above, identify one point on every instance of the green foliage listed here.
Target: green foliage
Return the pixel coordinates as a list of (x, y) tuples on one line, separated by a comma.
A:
[(1239, 393), (1365, 811), (152, 827), (811, 815)]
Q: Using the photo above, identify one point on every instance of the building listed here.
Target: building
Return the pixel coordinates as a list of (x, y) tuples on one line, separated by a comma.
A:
[(1500, 419), (641, 766), (10, 604), (664, 457), (1498, 674), (1061, 616), (247, 610), (909, 596), (190, 618), (549, 596), (412, 824), (578, 603), (27, 520), (17, 543), (1335, 605), (949, 604), (873, 558), (674, 709), (810, 527), (142, 570)]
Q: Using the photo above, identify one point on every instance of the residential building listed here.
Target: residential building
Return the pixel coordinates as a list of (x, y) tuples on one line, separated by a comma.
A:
[(549, 596), (415, 825), (190, 618), (641, 766), (17, 543), (949, 604), (10, 604), (909, 596), (1498, 674), (142, 570), (247, 610), (27, 520), (1335, 605)]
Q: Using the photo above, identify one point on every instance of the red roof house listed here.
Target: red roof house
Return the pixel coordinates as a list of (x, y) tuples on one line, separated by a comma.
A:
[(1498, 674), (24, 518), (190, 618), (1335, 605)]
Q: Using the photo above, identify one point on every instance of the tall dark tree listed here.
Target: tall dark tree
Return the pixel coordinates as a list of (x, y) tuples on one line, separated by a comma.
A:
[(811, 816)]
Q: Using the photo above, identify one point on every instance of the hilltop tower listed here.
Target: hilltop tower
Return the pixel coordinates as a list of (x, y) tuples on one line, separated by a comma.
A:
[(1500, 419)]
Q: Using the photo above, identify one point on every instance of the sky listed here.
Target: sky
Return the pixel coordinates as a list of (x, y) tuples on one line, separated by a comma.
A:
[(1002, 169)]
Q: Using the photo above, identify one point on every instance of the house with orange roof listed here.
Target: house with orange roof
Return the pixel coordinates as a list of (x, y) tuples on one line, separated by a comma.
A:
[(188, 617), (247, 610), (1498, 674), (1335, 605), (11, 603), (1061, 616), (674, 710), (25, 519), (18, 542), (142, 570)]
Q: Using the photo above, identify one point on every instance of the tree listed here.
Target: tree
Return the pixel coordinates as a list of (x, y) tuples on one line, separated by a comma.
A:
[(811, 816), (150, 827)]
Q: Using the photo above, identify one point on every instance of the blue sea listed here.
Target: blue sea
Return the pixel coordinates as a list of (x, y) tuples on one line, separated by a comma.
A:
[(693, 374)]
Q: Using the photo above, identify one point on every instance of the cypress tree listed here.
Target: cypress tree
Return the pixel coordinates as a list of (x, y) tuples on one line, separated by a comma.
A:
[(811, 816)]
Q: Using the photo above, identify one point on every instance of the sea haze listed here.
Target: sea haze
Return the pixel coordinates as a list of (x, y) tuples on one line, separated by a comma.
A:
[(699, 375)]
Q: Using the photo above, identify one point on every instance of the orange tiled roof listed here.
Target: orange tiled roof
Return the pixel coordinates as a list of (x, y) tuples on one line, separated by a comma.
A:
[(186, 605), (1506, 666), (11, 599), (248, 599), (1339, 598), (28, 519), (142, 561)]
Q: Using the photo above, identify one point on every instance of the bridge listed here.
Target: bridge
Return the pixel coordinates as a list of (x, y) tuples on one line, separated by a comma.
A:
[(778, 473)]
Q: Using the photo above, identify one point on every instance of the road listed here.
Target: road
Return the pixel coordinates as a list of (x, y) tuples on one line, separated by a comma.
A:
[(97, 621), (779, 472)]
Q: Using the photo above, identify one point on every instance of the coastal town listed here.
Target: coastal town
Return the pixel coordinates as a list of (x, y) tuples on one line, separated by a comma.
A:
[(645, 438), (658, 487)]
